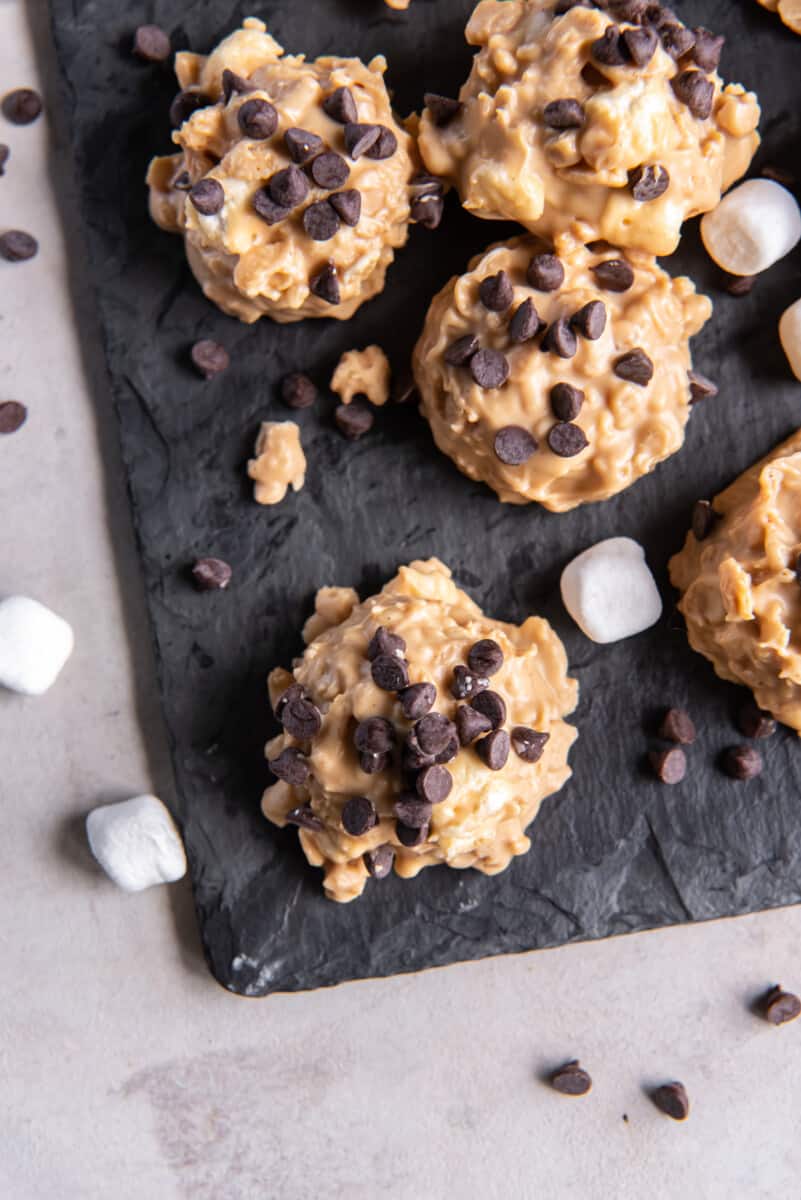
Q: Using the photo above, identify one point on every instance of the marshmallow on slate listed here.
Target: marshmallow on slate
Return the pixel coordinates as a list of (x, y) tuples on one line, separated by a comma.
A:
[(610, 592), (754, 226), (790, 334), (34, 645), (136, 843)]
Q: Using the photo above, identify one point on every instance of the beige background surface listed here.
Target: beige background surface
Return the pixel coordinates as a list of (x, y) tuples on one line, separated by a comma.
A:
[(126, 1073)]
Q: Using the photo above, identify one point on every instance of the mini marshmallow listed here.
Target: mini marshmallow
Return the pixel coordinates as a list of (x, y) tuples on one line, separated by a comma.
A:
[(136, 843), (754, 226), (609, 591), (790, 334), (34, 645)]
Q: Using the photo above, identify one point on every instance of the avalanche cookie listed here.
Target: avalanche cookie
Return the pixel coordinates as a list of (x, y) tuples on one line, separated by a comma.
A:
[(617, 118), (561, 375), (738, 575), (417, 731), (291, 186)]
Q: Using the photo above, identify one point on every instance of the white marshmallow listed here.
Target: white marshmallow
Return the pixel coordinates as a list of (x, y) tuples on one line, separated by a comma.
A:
[(34, 645), (790, 334), (610, 592), (754, 226), (136, 843)]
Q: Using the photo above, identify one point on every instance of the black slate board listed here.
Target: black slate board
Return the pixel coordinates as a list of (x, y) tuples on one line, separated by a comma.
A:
[(614, 851)]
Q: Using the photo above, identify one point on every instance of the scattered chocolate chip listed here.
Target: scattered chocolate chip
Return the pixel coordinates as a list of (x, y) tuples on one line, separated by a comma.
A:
[(590, 321), (564, 114), (267, 208), (416, 700), (325, 284), (609, 49), (385, 145), (209, 358), (707, 49), (151, 44), (778, 175), (433, 732), (354, 420), (257, 119), (208, 197), (571, 1080), (22, 106), (593, 77), (648, 183), (379, 861), (677, 726), (234, 85), (289, 187), (442, 108), (305, 818), (471, 724), (291, 766), (320, 221), (293, 692), (545, 273), (12, 416), (635, 367), (408, 836), (329, 170), (703, 520), (559, 338), (298, 391), (341, 107), (347, 205), (5, 154), (489, 368), (514, 445), (359, 816), (461, 351), (465, 684), (700, 387), (779, 1007), (359, 138), (755, 722), (485, 657), (211, 574), (676, 39), (302, 145), (566, 401), (17, 246), (742, 762), (389, 673), (671, 1099), (670, 766), (493, 750), (491, 705), (528, 744), (696, 91), (427, 210), (567, 439), (434, 783), (413, 812), (375, 735), (185, 104), (739, 285), (525, 323), (496, 292), (640, 45), (615, 275), (300, 718)]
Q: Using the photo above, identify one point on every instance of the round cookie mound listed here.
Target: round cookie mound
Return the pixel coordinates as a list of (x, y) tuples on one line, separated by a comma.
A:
[(291, 187), (417, 731), (738, 575), (616, 118), (560, 377)]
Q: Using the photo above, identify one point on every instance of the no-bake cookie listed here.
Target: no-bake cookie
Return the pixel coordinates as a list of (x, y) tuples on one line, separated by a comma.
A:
[(417, 731)]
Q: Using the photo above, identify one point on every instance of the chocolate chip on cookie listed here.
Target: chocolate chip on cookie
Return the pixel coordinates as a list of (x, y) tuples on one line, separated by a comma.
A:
[(302, 145), (648, 183), (514, 445), (152, 44), (525, 323), (567, 439), (298, 391), (289, 187), (590, 320), (614, 274), (233, 84), (359, 138), (371, 764), (416, 700), (347, 205), (301, 718), (434, 783), (341, 107), (700, 387), (379, 861), (257, 119), (493, 750), (325, 284), (384, 641), (413, 812), (566, 401), (564, 114), (742, 762), (291, 766), (434, 732), (471, 724), (185, 104), (461, 351), (696, 91), (374, 735), (635, 367), (707, 49), (320, 221), (669, 766), (329, 170), (545, 273), (427, 210), (305, 818), (465, 683), (293, 692), (677, 726), (384, 146), (209, 358), (208, 197), (704, 519), (485, 657), (389, 673), (442, 108), (610, 50), (18, 246), (676, 39), (408, 836), (182, 182), (13, 416), (528, 744), (22, 106), (489, 368), (640, 45), (496, 292), (359, 816), (491, 705), (559, 338), (267, 208)]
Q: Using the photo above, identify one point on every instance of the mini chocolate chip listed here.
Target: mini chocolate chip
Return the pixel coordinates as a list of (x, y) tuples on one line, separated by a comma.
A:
[(571, 1080), (559, 338), (211, 574), (12, 416), (485, 657), (755, 722), (325, 284), (739, 285), (461, 351), (648, 183), (302, 145), (496, 292), (298, 391), (341, 107), (301, 718), (354, 420), (564, 114), (293, 692), (433, 732), (233, 84), (379, 861), (610, 49), (696, 91), (493, 750), (466, 684), (528, 744), (289, 187), (700, 387), (413, 812), (671, 1099), (385, 145), (417, 700), (185, 104), (389, 673), (635, 367), (567, 439), (545, 273), (742, 762), (22, 106), (347, 205), (320, 221), (359, 138), (17, 246), (442, 108), (676, 39), (704, 519), (489, 368), (590, 321), (525, 323), (208, 197), (329, 170), (640, 44), (614, 274), (677, 726), (707, 49), (427, 210), (566, 401), (209, 358), (151, 44), (384, 641), (669, 766), (471, 724), (514, 445), (375, 735), (434, 783), (291, 766), (408, 836), (257, 119), (491, 705), (267, 208), (5, 154), (359, 816), (305, 818), (779, 1006)]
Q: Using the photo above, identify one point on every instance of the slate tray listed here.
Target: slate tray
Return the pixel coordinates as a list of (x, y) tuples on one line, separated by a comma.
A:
[(615, 850)]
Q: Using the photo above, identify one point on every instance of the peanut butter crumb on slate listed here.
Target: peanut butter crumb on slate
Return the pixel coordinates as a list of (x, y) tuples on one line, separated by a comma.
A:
[(362, 373), (279, 462)]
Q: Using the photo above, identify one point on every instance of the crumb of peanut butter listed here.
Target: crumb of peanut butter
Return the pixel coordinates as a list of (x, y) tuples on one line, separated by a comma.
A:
[(362, 373), (279, 462)]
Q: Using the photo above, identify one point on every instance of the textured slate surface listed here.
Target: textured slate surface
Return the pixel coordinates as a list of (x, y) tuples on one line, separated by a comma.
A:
[(614, 851)]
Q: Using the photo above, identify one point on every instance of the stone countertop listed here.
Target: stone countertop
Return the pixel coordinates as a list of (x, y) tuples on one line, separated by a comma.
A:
[(127, 1072)]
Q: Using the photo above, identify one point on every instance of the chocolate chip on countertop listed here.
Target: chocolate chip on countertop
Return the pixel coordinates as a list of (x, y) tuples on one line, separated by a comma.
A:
[(320, 221), (614, 274), (640, 45), (289, 187), (12, 416), (185, 104), (525, 323), (341, 107), (257, 119), (442, 108), (635, 367), (208, 197), (385, 145), (302, 145), (209, 358), (590, 321), (701, 388), (305, 818), (610, 49), (22, 106), (528, 744), (325, 284), (779, 1007), (374, 735), (461, 351), (17, 246), (471, 724), (379, 861), (491, 705), (648, 183), (384, 641), (496, 292), (301, 718), (434, 783), (359, 138), (571, 1080), (211, 574), (267, 208), (696, 91), (739, 285), (559, 338), (669, 766), (416, 700), (329, 170), (514, 445), (493, 750), (742, 762), (671, 1099), (359, 816), (389, 673), (234, 85), (409, 836), (545, 273), (291, 766), (704, 519), (413, 812), (5, 154), (347, 205), (465, 683), (566, 401), (564, 114), (677, 726), (485, 657), (755, 722), (489, 368), (152, 44), (567, 440), (298, 391), (707, 49), (427, 210)]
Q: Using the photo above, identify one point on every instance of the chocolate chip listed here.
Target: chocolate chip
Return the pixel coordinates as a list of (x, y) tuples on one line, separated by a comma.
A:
[(289, 187), (267, 208), (298, 391), (670, 766), (371, 764), (185, 104), (755, 722), (545, 273), (609, 49), (707, 49), (742, 762), (676, 39), (648, 183), (489, 368), (671, 1099), (413, 759), (359, 816), (704, 519), (434, 783), (384, 641), (408, 836), (417, 700), (379, 861), (635, 367), (341, 107), (470, 724), (152, 44), (450, 750), (293, 692), (571, 1080), (461, 351), (389, 673), (359, 138), (233, 84), (739, 285), (22, 106), (16, 246), (320, 221), (528, 744), (427, 210), (640, 45), (700, 387), (564, 114), (485, 657), (291, 766), (211, 574), (182, 182), (566, 401), (5, 154), (209, 358), (567, 440), (695, 90), (559, 338), (208, 197), (354, 420), (375, 735), (590, 321), (302, 145), (493, 750), (347, 205), (491, 705), (593, 77), (385, 145), (300, 718), (325, 284), (434, 733), (614, 274), (12, 416), (514, 445), (525, 323), (779, 1006), (257, 119), (633, 11), (496, 292), (442, 108), (466, 684), (412, 812), (329, 170), (677, 726), (423, 184), (305, 818)]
